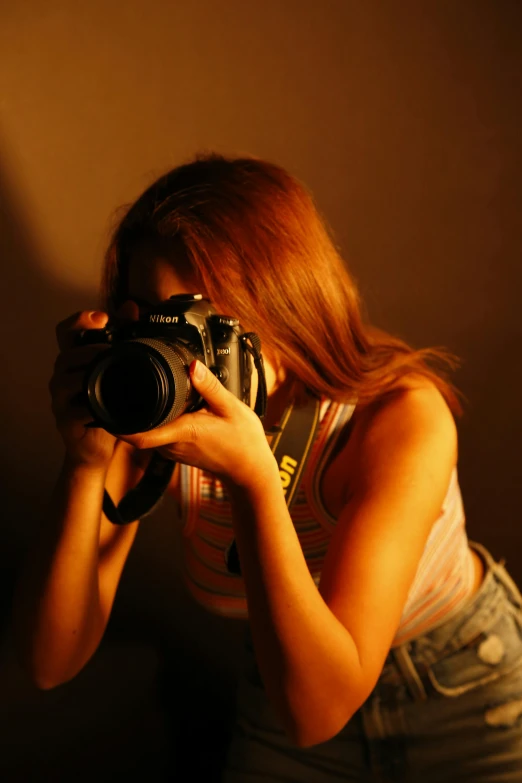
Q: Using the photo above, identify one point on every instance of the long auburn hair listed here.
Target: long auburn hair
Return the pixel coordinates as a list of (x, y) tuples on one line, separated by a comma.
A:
[(248, 234)]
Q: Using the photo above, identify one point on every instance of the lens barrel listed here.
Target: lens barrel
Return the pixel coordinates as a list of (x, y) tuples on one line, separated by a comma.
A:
[(140, 384)]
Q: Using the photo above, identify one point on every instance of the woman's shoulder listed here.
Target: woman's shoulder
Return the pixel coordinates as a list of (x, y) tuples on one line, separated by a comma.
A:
[(412, 416), (413, 402)]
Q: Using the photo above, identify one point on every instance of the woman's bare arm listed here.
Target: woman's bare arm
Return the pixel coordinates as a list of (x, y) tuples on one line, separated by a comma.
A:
[(320, 652), (66, 591)]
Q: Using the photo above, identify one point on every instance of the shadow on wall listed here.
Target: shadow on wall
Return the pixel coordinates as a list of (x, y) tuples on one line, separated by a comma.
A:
[(156, 696), (29, 311)]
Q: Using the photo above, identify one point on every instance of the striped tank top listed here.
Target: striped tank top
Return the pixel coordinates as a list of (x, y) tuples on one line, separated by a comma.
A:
[(444, 576)]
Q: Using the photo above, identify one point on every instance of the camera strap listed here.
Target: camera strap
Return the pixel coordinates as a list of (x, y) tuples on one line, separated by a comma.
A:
[(291, 447), (145, 496), (254, 348)]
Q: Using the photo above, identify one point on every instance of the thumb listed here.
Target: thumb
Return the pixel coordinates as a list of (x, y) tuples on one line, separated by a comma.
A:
[(219, 399)]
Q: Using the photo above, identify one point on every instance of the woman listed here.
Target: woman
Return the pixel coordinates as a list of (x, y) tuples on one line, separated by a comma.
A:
[(382, 642)]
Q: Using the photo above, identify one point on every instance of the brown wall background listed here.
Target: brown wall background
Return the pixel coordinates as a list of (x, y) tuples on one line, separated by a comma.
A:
[(404, 118)]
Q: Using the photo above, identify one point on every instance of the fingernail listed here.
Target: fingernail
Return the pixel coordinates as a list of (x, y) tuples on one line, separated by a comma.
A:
[(96, 315), (199, 370)]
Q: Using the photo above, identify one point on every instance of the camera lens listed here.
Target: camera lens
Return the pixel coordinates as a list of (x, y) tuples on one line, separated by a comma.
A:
[(140, 384)]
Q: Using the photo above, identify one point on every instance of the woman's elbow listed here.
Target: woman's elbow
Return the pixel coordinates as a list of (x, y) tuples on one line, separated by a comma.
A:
[(44, 683), (44, 672), (306, 728), (307, 733), (42, 676)]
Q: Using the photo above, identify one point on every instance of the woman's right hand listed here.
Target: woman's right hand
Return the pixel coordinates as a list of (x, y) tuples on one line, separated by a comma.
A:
[(84, 445)]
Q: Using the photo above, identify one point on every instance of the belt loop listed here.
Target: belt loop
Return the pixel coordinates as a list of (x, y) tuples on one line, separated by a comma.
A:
[(499, 571), (407, 668), (505, 579)]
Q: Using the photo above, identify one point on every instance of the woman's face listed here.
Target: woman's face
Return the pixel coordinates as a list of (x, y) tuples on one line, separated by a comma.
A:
[(153, 279)]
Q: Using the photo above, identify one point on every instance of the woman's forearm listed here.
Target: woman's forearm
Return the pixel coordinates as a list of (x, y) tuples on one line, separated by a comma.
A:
[(58, 615), (307, 659)]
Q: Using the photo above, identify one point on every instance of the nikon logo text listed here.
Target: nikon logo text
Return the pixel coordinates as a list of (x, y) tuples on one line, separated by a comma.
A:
[(287, 468), (163, 319)]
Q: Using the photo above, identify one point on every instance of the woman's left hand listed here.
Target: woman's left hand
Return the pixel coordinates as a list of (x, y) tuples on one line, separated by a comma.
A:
[(225, 438)]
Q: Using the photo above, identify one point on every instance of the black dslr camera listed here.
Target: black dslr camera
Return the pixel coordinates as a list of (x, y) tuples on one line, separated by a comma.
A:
[(142, 380)]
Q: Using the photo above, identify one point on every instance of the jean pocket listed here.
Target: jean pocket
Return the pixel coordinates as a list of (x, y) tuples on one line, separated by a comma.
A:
[(492, 654)]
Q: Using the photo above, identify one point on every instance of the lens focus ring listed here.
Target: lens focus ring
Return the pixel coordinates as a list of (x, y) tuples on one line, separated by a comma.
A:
[(178, 360)]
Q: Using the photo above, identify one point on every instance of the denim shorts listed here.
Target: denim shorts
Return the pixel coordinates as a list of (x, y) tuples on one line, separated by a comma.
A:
[(447, 707)]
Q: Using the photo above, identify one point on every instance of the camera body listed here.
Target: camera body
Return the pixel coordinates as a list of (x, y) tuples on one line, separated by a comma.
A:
[(141, 380)]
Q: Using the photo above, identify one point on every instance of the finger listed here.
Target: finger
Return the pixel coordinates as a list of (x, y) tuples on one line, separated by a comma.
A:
[(186, 429), (66, 384), (73, 424), (67, 330), (219, 400), (70, 407)]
